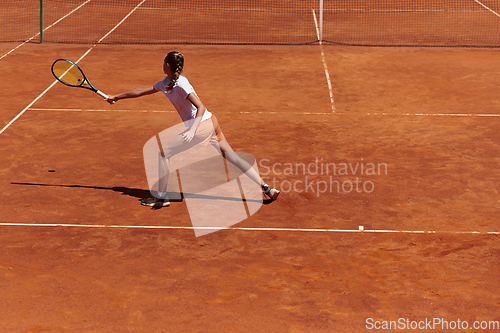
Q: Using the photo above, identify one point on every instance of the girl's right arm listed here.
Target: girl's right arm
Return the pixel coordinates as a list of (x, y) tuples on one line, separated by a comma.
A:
[(131, 94)]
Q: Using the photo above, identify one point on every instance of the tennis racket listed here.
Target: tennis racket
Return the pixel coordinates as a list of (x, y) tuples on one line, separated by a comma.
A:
[(68, 73)]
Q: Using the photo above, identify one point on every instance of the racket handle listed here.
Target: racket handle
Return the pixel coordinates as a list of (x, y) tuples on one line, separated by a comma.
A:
[(103, 95)]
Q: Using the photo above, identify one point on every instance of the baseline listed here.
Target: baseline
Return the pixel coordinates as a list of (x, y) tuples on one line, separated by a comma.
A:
[(360, 230)]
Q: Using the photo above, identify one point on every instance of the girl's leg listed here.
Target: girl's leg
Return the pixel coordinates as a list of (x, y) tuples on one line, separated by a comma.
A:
[(229, 154), (159, 195), (175, 146), (163, 174)]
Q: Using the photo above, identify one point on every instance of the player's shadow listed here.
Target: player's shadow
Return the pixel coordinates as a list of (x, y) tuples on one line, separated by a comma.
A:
[(132, 192), (135, 192)]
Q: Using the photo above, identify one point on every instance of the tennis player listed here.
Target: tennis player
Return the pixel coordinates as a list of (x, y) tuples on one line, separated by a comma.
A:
[(202, 126)]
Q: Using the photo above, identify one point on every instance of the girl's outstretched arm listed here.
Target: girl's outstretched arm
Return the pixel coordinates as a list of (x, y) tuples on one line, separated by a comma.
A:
[(131, 94)]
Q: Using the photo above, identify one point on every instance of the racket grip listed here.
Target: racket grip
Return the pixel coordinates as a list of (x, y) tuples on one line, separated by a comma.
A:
[(103, 95)]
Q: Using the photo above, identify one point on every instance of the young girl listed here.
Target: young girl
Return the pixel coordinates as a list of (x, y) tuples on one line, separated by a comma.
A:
[(192, 111)]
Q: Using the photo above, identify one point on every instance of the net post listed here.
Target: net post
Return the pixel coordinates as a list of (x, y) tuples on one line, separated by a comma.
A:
[(41, 21), (320, 20)]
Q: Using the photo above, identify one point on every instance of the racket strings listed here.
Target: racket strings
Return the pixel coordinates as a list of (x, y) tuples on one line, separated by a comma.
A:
[(68, 73)]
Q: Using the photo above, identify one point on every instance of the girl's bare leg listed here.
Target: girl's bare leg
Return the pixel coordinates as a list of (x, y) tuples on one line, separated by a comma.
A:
[(240, 163), (163, 174), (244, 166), (175, 146)]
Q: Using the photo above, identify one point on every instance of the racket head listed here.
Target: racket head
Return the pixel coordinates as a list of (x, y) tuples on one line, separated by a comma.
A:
[(68, 73)]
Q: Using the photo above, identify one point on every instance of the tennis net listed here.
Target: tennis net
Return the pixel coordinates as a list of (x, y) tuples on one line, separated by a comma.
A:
[(474, 23)]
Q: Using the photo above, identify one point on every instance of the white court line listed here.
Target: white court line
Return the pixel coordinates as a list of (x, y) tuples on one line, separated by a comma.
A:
[(165, 111), (53, 83), (327, 74), (491, 10), (383, 114), (364, 10), (285, 113), (100, 110), (360, 230), (455, 114), (50, 26), (123, 20), (341, 10), (437, 114)]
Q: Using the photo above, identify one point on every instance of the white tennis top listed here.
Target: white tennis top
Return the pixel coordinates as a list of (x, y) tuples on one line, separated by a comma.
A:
[(178, 96)]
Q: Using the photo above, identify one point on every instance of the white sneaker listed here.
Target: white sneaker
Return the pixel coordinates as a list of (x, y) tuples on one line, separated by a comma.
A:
[(272, 193), (155, 202)]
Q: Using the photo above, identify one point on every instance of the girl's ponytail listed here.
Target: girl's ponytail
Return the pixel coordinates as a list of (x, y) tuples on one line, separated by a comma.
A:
[(176, 61)]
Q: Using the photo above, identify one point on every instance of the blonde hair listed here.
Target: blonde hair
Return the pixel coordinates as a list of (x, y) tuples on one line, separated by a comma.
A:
[(176, 61)]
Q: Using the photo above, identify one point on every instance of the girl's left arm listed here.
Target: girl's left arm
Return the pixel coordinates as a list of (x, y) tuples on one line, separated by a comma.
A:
[(188, 135)]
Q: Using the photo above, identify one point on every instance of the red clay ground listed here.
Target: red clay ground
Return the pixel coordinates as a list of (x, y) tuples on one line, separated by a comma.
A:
[(272, 102)]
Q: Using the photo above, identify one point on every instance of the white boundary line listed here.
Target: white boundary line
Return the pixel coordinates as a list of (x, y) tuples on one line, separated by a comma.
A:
[(437, 114), (489, 115), (53, 83), (123, 20), (364, 10), (454, 114), (99, 110), (329, 10), (50, 26), (327, 73), (491, 10), (360, 230)]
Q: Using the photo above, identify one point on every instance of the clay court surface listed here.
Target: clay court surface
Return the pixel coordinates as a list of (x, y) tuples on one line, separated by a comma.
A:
[(80, 254)]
